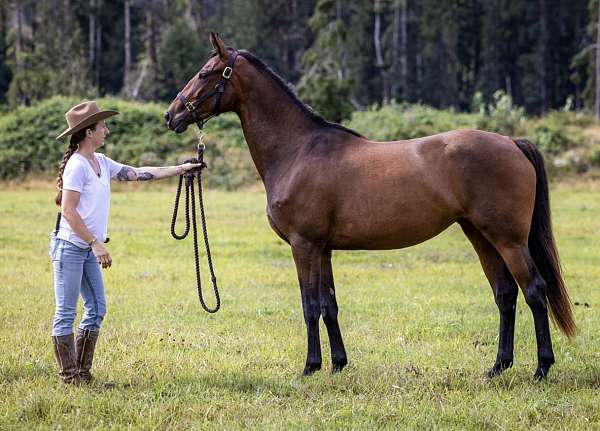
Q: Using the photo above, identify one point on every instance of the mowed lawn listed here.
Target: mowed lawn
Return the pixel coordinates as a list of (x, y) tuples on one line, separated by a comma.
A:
[(420, 327)]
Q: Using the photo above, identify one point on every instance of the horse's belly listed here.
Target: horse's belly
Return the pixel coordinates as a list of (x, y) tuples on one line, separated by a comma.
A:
[(359, 239), (384, 232)]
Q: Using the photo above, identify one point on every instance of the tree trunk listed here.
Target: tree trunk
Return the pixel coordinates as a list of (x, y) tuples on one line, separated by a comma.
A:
[(378, 55), (151, 23), (395, 48), (149, 64), (598, 66), (98, 64), (92, 36), (544, 40), (18, 24), (404, 47), (127, 46), (66, 27), (189, 16)]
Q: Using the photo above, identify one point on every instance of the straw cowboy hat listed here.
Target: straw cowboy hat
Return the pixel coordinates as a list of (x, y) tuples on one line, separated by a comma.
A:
[(83, 115)]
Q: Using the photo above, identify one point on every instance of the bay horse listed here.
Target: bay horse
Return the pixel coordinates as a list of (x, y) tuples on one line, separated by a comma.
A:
[(329, 188)]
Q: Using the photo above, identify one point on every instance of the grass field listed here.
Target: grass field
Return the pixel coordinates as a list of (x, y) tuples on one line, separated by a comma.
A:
[(420, 327)]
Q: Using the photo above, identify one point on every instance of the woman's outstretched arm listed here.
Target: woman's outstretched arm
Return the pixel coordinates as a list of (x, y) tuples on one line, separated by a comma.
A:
[(146, 173)]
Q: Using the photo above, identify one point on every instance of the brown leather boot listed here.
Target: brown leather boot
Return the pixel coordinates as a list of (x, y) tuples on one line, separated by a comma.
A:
[(85, 344), (64, 351)]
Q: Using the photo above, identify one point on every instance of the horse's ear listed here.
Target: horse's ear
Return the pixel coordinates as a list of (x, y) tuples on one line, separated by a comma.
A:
[(219, 45)]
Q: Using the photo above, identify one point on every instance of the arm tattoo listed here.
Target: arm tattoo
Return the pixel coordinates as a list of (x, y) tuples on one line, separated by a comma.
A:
[(127, 173), (145, 176)]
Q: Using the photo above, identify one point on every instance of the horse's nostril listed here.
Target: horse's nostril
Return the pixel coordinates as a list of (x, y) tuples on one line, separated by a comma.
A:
[(167, 116)]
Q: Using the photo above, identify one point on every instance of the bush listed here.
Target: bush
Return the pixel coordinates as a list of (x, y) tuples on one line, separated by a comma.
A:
[(501, 116), (137, 137), (403, 121), (595, 156), (557, 131)]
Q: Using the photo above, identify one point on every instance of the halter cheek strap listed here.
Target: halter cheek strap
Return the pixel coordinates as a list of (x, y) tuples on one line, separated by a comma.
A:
[(192, 106)]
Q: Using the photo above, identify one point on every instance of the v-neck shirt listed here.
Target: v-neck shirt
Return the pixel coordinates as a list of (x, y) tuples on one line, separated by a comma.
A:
[(94, 198)]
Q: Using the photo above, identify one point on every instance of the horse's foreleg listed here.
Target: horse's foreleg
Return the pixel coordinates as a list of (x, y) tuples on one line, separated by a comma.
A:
[(505, 293), (307, 257), (329, 310)]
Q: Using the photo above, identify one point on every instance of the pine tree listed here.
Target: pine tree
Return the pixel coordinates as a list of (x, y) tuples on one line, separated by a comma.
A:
[(45, 60), (326, 84)]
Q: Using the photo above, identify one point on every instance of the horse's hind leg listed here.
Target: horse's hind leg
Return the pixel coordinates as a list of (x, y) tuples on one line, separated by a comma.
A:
[(329, 311), (505, 293), (521, 265)]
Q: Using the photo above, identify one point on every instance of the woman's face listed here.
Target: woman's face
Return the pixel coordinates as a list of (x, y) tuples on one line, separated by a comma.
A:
[(98, 136)]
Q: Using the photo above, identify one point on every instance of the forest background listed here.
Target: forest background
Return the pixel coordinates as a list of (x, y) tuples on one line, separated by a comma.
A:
[(391, 69)]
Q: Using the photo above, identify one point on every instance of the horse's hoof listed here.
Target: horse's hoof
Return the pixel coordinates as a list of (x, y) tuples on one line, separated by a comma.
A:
[(310, 369), (540, 374), (499, 368), (338, 365), (542, 369)]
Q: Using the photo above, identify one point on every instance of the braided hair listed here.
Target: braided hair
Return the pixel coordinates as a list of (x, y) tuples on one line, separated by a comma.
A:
[(76, 138)]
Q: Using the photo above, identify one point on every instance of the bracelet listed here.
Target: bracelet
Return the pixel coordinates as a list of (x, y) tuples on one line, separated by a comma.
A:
[(92, 241)]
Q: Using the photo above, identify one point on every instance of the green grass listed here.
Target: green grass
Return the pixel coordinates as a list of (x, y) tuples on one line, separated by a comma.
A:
[(420, 327)]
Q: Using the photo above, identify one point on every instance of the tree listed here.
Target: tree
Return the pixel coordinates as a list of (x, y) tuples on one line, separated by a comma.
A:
[(45, 60), (127, 46), (325, 84), (178, 66), (5, 76), (146, 84), (342, 54), (597, 105)]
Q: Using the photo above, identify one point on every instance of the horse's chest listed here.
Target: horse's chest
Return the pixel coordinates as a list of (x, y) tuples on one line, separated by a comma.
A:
[(279, 214), (304, 217)]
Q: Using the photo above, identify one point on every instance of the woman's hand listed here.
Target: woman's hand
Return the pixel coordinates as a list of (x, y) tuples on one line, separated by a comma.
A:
[(102, 254), (188, 166)]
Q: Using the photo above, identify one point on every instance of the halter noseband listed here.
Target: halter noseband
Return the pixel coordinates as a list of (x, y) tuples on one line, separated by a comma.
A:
[(217, 91)]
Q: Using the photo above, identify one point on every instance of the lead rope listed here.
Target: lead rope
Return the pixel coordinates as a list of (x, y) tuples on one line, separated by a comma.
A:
[(189, 190)]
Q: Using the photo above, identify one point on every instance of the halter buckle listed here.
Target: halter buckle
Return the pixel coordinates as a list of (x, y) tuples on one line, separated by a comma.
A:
[(190, 106), (227, 72)]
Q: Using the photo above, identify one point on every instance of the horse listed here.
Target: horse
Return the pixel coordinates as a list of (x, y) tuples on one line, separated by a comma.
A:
[(330, 188)]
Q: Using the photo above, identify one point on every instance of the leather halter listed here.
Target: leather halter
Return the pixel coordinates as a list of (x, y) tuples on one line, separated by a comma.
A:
[(218, 91)]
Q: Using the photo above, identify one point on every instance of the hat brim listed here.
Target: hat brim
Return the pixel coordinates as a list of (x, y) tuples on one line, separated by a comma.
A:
[(92, 119)]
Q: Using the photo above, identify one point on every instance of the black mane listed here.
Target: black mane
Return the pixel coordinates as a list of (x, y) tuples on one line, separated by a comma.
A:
[(261, 66)]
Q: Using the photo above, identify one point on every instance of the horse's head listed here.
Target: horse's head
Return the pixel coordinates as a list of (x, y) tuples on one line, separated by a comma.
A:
[(207, 94)]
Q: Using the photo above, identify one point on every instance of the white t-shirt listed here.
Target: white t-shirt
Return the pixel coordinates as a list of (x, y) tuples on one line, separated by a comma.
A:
[(94, 199)]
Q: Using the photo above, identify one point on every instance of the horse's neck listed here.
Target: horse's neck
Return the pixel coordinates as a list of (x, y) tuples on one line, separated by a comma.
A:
[(275, 128)]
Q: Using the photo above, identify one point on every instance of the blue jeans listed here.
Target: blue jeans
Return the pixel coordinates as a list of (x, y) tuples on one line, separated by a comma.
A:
[(76, 271)]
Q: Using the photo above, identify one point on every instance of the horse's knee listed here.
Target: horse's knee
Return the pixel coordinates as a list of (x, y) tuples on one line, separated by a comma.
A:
[(535, 294), (329, 314), (506, 299), (312, 315)]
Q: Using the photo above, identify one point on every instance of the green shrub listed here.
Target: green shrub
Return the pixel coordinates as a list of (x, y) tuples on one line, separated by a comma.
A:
[(501, 116), (403, 121), (557, 131), (594, 156), (138, 136)]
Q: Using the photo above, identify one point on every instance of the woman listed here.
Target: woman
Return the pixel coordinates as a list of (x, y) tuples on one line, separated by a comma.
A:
[(77, 245)]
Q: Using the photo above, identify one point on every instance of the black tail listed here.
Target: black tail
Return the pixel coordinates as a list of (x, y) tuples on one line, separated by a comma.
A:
[(542, 246)]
